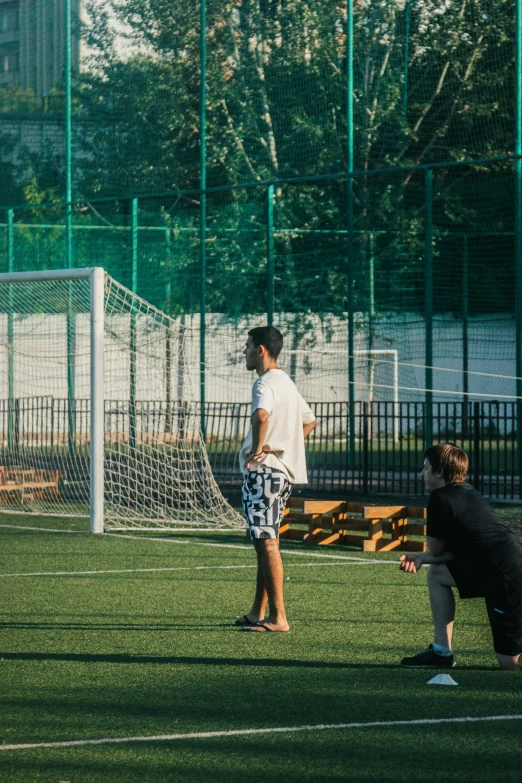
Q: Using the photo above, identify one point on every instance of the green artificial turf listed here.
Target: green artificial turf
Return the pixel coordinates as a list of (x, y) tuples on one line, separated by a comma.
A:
[(90, 656)]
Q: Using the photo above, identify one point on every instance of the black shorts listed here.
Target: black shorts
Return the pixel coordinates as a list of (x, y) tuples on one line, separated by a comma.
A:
[(505, 617), (503, 602), (470, 577), (265, 492)]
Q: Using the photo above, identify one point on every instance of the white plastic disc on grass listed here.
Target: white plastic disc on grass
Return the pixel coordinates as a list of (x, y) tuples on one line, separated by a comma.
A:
[(442, 679)]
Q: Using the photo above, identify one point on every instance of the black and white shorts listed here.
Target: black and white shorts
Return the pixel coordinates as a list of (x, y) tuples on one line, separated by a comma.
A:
[(265, 492)]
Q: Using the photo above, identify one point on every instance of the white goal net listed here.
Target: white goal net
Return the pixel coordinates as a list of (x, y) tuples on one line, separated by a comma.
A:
[(97, 414)]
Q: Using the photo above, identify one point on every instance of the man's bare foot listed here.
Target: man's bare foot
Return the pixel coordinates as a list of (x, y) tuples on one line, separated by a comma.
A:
[(267, 625)]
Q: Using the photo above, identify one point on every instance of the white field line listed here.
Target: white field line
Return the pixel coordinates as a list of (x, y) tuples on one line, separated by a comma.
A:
[(174, 568), (207, 543), (140, 529), (250, 732), (249, 548), (192, 529), (45, 529)]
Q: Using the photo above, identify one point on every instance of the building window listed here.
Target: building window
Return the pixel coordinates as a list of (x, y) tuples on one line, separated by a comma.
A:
[(8, 18), (8, 60)]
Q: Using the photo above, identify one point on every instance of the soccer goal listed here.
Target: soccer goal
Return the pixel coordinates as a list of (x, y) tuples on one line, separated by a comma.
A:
[(97, 417)]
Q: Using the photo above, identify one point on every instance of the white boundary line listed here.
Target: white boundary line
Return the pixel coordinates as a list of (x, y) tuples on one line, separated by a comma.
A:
[(174, 568), (249, 549), (206, 543), (249, 732), (45, 529), (193, 529)]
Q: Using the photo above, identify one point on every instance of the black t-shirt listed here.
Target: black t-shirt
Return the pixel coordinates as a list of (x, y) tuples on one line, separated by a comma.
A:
[(464, 520)]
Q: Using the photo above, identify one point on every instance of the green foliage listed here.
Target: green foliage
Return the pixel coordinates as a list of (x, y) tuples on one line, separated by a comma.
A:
[(433, 81)]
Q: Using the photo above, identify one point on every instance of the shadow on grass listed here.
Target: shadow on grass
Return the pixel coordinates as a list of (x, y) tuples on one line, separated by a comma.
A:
[(119, 627), (283, 663)]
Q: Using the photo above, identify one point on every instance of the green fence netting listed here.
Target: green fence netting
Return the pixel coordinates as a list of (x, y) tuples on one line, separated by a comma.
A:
[(411, 269)]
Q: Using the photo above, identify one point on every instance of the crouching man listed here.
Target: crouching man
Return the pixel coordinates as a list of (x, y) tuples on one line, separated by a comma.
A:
[(471, 549)]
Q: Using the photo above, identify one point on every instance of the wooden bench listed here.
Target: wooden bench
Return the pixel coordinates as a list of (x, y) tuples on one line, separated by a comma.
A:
[(379, 528)]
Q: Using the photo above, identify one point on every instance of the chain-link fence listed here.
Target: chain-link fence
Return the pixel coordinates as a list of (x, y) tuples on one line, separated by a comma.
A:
[(348, 172)]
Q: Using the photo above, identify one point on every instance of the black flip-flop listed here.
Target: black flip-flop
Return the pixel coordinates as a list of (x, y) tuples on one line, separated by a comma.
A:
[(242, 621), (252, 628)]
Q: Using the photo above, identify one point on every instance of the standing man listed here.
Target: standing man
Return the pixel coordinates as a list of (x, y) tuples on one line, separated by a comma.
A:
[(272, 460), (471, 549)]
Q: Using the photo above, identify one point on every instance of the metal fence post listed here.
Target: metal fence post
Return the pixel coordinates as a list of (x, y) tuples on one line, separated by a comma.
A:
[(465, 336), (10, 336), (428, 307), (407, 25), (476, 445), (518, 225), (270, 253), (168, 368), (69, 250), (366, 445), (132, 347), (134, 245), (203, 206), (16, 429), (350, 228)]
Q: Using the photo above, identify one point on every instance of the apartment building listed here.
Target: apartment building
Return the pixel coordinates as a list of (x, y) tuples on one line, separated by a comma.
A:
[(32, 46)]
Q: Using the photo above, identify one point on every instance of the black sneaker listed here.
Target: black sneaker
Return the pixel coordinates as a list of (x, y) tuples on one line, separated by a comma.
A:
[(428, 659)]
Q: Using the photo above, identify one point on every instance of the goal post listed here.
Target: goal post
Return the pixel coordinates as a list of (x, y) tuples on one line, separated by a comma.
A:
[(115, 446), (97, 313)]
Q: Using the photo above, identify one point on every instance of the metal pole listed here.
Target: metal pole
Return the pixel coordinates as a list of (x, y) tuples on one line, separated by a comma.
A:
[(10, 336), (372, 279), (396, 396), (68, 137), (168, 347), (428, 305), (168, 367), (465, 336), (366, 452), (407, 12), (69, 251), (270, 253), (134, 245), (476, 445), (518, 225), (134, 288), (350, 227), (97, 400), (371, 314), (182, 405), (203, 206)]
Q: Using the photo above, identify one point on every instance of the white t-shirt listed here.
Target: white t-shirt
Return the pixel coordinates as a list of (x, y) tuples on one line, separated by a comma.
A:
[(277, 394)]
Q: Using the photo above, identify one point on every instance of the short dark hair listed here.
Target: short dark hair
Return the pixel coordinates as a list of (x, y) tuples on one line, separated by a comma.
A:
[(448, 461), (268, 336)]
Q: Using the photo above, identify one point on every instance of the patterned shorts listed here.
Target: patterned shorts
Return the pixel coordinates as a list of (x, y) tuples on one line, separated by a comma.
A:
[(265, 492)]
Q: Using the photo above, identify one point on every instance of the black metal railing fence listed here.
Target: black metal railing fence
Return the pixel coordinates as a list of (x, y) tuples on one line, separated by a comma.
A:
[(390, 439)]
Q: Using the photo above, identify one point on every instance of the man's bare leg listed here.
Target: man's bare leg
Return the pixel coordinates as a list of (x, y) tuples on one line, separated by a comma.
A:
[(510, 662), (272, 576), (258, 609), (442, 600)]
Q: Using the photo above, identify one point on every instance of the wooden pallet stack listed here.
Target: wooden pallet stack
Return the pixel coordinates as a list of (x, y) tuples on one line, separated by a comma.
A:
[(23, 486), (373, 528)]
